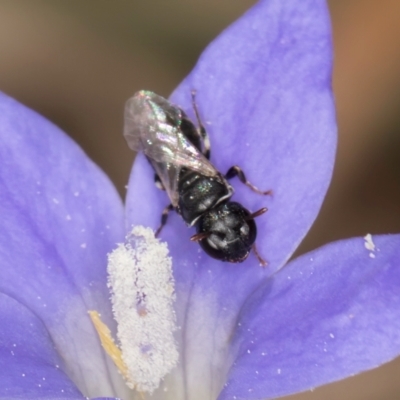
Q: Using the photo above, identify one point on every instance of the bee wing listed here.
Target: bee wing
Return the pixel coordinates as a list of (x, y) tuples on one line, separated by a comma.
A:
[(152, 125)]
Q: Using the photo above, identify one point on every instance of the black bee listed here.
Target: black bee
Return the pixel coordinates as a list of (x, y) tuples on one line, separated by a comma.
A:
[(179, 154)]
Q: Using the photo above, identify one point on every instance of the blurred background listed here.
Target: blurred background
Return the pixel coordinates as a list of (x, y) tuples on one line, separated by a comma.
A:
[(77, 61)]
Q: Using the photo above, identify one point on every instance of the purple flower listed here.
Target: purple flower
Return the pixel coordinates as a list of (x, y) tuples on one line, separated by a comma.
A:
[(247, 333)]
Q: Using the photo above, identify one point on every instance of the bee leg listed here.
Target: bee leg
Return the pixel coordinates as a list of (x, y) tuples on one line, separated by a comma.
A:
[(262, 262), (164, 218), (201, 129), (158, 183), (237, 171)]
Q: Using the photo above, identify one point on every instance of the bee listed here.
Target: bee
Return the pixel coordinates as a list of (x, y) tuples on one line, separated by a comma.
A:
[(179, 153)]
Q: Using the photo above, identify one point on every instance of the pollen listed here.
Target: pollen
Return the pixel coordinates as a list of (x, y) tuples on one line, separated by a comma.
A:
[(368, 242), (142, 295)]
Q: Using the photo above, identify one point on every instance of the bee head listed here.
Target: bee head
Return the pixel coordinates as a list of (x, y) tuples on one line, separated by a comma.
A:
[(227, 232)]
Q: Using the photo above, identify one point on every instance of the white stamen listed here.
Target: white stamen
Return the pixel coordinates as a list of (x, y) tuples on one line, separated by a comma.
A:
[(142, 295)]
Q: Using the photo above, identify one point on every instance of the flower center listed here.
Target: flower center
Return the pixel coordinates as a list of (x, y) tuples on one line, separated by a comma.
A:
[(142, 296)]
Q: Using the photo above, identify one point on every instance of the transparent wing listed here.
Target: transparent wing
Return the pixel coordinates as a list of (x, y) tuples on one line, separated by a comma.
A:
[(152, 125)]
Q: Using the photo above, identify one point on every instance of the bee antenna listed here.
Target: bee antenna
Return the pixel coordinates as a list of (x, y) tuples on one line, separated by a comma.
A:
[(200, 236), (257, 213)]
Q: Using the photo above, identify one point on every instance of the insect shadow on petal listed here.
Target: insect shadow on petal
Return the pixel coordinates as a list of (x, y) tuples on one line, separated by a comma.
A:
[(179, 152)]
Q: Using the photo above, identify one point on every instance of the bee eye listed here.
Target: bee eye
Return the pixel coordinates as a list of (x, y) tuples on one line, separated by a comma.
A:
[(211, 243)]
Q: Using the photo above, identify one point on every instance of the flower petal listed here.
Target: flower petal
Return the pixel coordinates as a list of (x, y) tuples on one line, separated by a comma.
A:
[(60, 217), (264, 87), (30, 366), (328, 315)]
